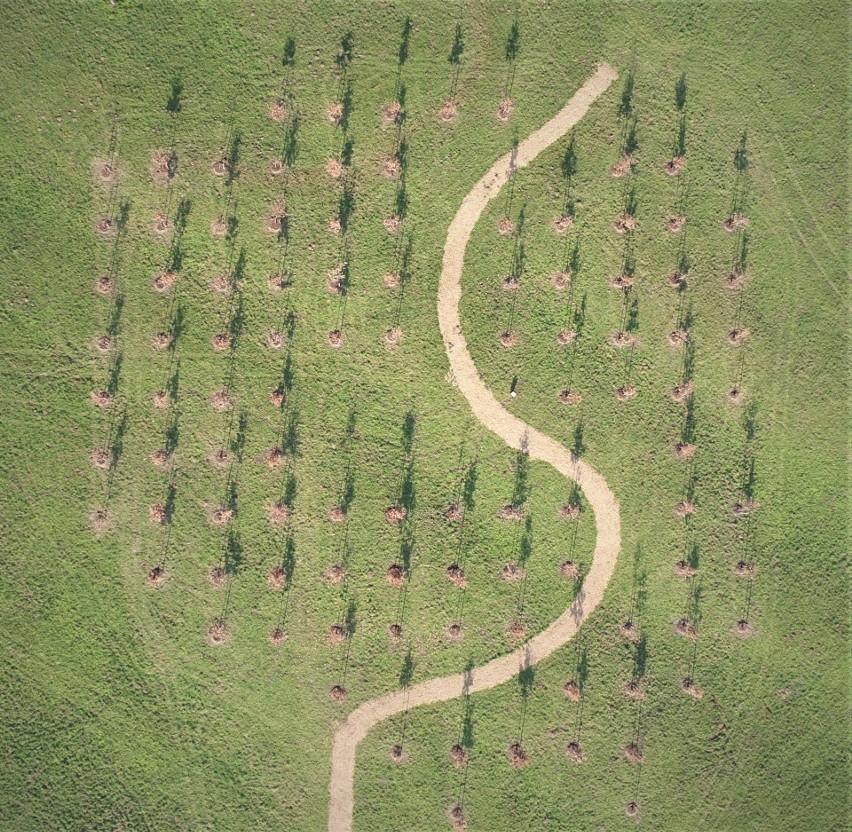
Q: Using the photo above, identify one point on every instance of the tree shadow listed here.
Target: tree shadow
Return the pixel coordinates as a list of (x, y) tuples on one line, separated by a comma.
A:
[(288, 496), (288, 560), (290, 433), (345, 105), (173, 384), (687, 434), (525, 546), (578, 446), (345, 209), (689, 360), (402, 52), (631, 138), (513, 42), (469, 486), (680, 92), (406, 673), (680, 142), (238, 441), (456, 51), (348, 492), (232, 158), (233, 552), (115, 374), (172, 435), (116, 444), (625, 104), (173, 104), (406, 547), (288, 56), (346, 53), (640, 658), (520, 489), (290, 148), (115, 315)]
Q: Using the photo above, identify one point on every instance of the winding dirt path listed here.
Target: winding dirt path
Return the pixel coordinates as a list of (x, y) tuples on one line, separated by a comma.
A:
[(515, 433)]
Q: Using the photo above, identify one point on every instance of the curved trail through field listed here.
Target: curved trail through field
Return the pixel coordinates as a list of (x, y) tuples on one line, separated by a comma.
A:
[(516, 434)]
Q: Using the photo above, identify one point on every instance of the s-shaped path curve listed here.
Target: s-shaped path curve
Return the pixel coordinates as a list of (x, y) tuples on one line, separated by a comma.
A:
[(516, 434)]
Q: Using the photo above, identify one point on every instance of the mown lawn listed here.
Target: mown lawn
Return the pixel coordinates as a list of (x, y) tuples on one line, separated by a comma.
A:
[(117, 713)]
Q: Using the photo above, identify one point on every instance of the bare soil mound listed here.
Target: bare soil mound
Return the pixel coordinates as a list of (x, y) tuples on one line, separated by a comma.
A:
[(164, 281), (508, 339), (506, 226), (682, 391), (101, 398), (278, 512), (684, 450), (621, 282), (276, 578), (683, 627), (391, 113), (392, 224), (569, 397), (676, 223), (562, 224), (104, 285), (622, 340), (689, 687), (459, 756), (455, 575), (569, 570), (336, 634), (633, 753), (504, 109), (161, 340), (574, 752), (684, 508), (625, 393), (217, 633), (633, 690), (622, 167), (100, 458), (684, 569), (221, 400), (625, 224), (561, 281), (221, 516), (448, 112), (676, 165), (158, 514), (572, 690), (517, 756), (156, 577), (335, 574), (395, 514), (744, 569), (630, 631), (395, 575), (334, 113), (511, 512)]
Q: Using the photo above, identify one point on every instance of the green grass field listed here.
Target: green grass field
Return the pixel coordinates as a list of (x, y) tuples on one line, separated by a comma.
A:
[(115, 711)]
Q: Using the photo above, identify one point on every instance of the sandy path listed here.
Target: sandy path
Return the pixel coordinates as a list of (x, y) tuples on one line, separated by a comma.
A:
[(515, 433)]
